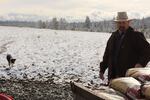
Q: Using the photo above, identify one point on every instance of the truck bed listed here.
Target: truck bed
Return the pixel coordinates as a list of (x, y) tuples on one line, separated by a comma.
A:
[(81, 92)]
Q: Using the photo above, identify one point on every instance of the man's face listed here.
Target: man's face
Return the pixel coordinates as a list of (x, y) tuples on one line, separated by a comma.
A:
[(122, 25)]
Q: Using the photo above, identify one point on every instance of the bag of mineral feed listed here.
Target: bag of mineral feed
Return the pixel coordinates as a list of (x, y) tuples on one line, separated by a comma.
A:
[(142, 74), (128, 86), (146, 91), (107, 93)]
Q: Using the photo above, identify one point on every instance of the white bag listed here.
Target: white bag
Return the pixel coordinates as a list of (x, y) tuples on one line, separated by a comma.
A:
[(110, 94), (146, 91), (141, 74), (128, 86)]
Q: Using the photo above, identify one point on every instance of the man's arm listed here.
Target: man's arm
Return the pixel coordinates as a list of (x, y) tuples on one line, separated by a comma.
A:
[(144, 49), (104, 63)]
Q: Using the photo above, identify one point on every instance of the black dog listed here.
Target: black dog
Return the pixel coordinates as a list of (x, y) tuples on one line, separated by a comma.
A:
[(10, 60)]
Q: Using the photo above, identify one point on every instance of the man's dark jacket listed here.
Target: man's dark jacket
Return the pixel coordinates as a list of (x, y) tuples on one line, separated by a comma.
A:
[(133, 49)]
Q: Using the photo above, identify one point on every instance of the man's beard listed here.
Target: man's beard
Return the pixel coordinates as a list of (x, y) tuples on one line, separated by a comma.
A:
[(122, 29)]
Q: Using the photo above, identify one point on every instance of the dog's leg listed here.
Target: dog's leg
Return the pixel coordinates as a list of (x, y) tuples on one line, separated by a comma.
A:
[(9, 64), (12, 65)]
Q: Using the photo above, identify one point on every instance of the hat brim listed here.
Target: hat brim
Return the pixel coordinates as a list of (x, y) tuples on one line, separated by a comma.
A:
[(122, 20)]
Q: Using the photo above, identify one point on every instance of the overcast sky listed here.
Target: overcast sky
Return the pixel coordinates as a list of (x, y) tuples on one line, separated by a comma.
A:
[(76, 8)]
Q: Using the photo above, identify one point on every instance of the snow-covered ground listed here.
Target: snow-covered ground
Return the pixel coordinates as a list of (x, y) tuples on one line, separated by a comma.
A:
[(42, 53)]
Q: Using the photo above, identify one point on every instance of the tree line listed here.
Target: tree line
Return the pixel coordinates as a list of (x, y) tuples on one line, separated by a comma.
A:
[(87, 25)]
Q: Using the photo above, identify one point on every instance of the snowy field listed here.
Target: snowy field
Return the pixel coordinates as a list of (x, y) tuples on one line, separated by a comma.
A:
[(44, 53)]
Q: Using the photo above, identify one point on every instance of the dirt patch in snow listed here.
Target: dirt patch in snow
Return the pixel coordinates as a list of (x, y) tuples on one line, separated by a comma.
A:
[(35, 90)]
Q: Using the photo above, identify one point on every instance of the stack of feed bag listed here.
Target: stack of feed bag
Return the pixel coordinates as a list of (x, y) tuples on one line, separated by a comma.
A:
[(143, 75)]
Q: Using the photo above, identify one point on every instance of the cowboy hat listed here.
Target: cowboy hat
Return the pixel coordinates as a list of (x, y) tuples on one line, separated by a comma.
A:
[(122, 16)]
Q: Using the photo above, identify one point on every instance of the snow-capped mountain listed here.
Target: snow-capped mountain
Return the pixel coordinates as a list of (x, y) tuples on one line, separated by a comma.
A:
[(94, 16), (22, 17)]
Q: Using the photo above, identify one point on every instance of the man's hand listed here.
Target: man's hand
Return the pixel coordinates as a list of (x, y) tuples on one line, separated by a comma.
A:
[(138, 66), (101, 75)]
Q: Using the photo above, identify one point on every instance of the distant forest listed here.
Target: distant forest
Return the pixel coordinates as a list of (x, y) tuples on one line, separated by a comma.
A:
[(88, 25)]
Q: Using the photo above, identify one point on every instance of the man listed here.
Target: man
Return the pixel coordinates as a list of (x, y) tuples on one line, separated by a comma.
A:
[(125, 49)]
